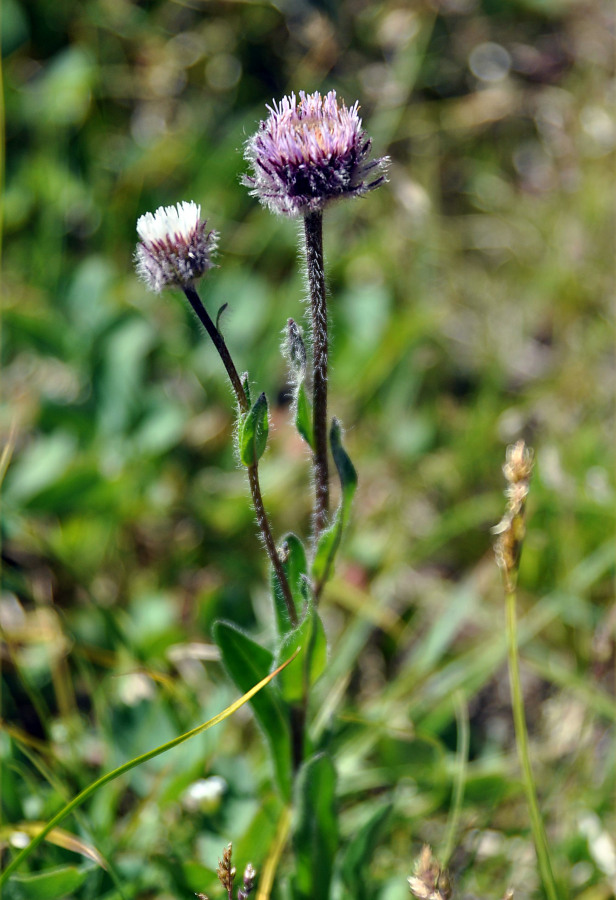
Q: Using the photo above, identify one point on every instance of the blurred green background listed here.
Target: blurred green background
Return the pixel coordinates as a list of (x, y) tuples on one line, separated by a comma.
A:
[(470, 306)]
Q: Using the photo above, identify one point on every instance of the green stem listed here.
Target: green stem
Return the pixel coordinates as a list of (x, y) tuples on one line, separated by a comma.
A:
[(521, 735), (460, 776)]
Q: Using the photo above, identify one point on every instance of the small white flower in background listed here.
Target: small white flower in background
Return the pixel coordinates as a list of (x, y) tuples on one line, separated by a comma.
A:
[(175, 246), (134, 688), (204, 794)]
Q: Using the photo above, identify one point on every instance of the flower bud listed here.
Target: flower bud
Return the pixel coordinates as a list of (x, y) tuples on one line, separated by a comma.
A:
[(175, 248)]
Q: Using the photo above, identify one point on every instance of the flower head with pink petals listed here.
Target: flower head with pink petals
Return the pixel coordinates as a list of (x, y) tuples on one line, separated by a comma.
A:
[(309, 152)]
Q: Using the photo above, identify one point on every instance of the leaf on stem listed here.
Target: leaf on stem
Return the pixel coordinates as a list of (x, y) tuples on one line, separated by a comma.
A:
[(246, 385), (295, 351), (247, 661), (311, 660), (219, 314), (303, 416), (330, 539), (253, 430), (295, 566)]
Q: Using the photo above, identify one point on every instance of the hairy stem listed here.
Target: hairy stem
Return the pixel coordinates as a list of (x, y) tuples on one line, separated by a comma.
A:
[(268, 540), (253, 473), (313, 227), (521, 735), (217, 339)]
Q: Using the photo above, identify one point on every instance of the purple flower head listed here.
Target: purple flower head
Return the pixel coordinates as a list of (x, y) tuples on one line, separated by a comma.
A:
[(175, 247), (310, 152)]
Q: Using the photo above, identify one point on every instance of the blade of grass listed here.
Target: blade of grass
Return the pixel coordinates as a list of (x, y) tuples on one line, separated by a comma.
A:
[(71, 842), (266, 882), (460, 778), (131, 764), (60, 838)]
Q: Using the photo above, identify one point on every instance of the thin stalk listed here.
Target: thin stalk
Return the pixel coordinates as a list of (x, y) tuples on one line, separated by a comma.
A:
[(521, 735), (460, 776), (217, 339), (313, 228), (268, 540), (253, 473)]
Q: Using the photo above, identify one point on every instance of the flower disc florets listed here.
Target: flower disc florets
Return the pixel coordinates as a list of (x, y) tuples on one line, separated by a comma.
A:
[(309, 153), (175, 247)]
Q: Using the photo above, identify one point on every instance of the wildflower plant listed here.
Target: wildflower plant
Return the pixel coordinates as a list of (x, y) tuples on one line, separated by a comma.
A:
[(308, 153)]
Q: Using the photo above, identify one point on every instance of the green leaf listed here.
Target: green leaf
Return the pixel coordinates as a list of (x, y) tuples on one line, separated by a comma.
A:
[(219, 314), (326, 551), (315, 832), (359, 853), (295, 351), (329, 541), (303, 416), (253, 431), (247, 662), (310, 662), (295, 567), (344, 466), (40, 465), (51, 883), (246, 384)]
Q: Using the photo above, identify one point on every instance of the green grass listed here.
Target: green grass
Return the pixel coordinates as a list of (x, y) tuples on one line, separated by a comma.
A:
[(469, 307)]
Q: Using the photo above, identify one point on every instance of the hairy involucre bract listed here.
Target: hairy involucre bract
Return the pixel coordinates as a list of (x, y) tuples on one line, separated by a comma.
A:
[(175, 248), (309, 152)]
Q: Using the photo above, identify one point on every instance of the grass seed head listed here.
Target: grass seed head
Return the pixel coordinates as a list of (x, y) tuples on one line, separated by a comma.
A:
[(429, 882), (511, 529)]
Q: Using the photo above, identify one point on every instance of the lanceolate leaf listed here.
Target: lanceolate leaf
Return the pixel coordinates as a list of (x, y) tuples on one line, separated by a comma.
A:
[(309, 638), (51, 884), (247, 662), (344, 466), (253, 430), (126, 767), (359, 853), (219, 314), (246, 385), (330, 539), (295, 567), (315, 832), (303, 416)]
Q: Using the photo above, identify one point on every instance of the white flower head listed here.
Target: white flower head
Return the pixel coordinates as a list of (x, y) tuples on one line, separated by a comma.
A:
[(175, 246)]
